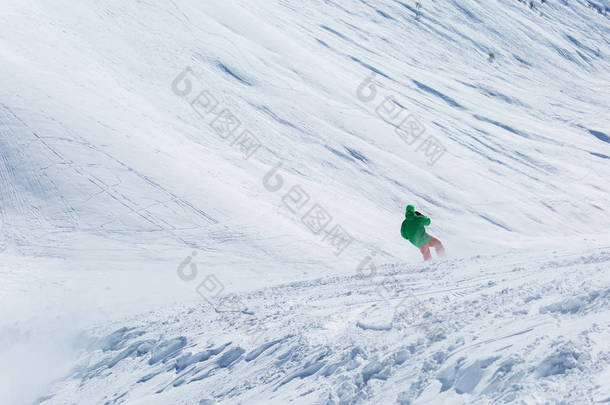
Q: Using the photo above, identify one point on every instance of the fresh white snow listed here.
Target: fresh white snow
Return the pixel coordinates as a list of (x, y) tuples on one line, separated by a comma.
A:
[(149, 257)]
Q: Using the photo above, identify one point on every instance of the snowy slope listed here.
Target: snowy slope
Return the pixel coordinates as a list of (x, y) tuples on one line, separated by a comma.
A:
[(112, 173)]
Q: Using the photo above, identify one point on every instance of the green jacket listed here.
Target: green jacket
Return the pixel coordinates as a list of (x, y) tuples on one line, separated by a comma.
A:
[(413, 227)]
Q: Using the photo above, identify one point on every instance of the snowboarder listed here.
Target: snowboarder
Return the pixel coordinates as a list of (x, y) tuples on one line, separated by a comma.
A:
[(413, 230)]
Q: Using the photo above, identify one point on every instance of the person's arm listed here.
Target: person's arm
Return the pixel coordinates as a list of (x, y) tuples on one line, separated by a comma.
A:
[(423, 220)]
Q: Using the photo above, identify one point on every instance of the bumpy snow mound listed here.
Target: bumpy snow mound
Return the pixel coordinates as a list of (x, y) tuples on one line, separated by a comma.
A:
[(561, 361), (575, 304), (496, 346)]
